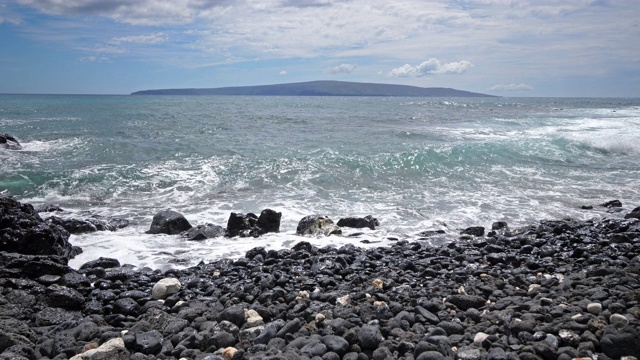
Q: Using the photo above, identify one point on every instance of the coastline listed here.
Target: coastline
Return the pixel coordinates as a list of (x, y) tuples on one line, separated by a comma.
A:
[(558, 289)]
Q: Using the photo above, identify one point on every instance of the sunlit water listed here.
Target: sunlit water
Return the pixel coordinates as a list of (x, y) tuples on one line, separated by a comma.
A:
[(414, 163)]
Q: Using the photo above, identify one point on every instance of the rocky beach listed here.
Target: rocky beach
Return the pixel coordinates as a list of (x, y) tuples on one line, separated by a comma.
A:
[(556, 289)]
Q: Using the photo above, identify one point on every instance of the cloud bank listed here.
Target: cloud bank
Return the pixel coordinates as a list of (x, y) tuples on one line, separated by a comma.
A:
[(511, 87), (431, 66)]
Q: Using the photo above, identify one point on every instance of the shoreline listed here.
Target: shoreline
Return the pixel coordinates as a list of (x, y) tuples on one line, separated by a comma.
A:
[(559, 289)]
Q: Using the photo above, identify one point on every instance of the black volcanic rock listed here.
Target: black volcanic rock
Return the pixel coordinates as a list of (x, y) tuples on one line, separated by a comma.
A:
[(247, 225), (23, 231), (9, 142), (168, 222), (355, 222), (557, 289)]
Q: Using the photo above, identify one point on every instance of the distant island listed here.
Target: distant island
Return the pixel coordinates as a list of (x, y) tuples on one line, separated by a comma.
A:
[(321, 88)]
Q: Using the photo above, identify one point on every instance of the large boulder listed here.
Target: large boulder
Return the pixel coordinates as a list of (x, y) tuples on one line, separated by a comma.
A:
[(246, 225), (169, 222), (9, 142), (355, 222), (23, 231), (317, 225)]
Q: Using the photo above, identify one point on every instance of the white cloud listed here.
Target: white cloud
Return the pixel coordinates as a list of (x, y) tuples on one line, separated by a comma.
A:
[(283, 72), (511, 87), (509, 39), (140, 39), (8, 20), (342, 69), (431, 66), (94, 58)]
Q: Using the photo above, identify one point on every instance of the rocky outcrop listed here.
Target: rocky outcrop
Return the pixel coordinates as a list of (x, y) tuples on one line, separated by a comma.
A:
[(9, 142), (169, 222), (247, 225), (23, 231), (317, 225)]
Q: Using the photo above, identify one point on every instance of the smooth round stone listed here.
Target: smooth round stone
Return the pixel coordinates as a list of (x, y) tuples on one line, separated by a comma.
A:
[(618, 319), (165, 287), (594, 308)]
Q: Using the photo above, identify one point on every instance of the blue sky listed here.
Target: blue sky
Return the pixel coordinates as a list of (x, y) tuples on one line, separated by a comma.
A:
[(502, 47)]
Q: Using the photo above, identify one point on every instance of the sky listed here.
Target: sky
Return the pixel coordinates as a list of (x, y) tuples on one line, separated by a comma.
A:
[(569, 48)]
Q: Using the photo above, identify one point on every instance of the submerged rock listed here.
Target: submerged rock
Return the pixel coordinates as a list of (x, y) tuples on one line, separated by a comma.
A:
[(317, 225), (202, 232), (612, 204), (79, 226), (9, 142), (169, 222)]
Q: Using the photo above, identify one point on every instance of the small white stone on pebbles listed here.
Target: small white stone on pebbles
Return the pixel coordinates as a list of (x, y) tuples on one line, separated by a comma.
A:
[(479, 338), (377, 283), (320, 317), (546, 301), (253, 318), (379, 303), (594, 308), (165, 287), (112, 349), (618, 319), (343, 300), (227, 353)]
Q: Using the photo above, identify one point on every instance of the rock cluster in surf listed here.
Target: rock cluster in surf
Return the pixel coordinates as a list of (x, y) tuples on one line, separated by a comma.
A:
[(554, 290)]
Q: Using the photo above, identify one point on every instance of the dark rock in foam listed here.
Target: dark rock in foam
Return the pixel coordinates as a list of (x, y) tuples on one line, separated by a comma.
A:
[(356, 222), (9, 142), (169, 222)]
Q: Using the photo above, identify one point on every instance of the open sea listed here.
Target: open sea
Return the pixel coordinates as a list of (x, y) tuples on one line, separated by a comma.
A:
[(414, 163)]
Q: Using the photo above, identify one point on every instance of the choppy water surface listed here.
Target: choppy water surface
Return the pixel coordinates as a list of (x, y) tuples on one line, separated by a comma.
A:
[(414, 163)]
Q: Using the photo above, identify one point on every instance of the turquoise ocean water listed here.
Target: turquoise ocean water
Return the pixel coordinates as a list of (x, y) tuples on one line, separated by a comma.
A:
[(414, 163)]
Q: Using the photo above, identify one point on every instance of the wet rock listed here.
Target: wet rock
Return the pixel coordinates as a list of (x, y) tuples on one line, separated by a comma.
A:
[(101, 262), (203, 232), (473, 231), (317, 225), (250, 225), (9, 142), (612, 204), (79, 226), (634, 214), (355, 222), (168, 222), (268, 221), (241, 224), (23, 231)]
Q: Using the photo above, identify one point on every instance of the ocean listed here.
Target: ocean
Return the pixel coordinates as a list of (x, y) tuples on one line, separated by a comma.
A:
[(413, 163)]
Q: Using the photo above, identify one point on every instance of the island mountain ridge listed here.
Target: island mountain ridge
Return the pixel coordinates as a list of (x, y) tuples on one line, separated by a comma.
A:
[(320, 88)]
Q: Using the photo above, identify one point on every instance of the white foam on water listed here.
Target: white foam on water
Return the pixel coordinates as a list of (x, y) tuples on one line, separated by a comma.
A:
[(51, 145)]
